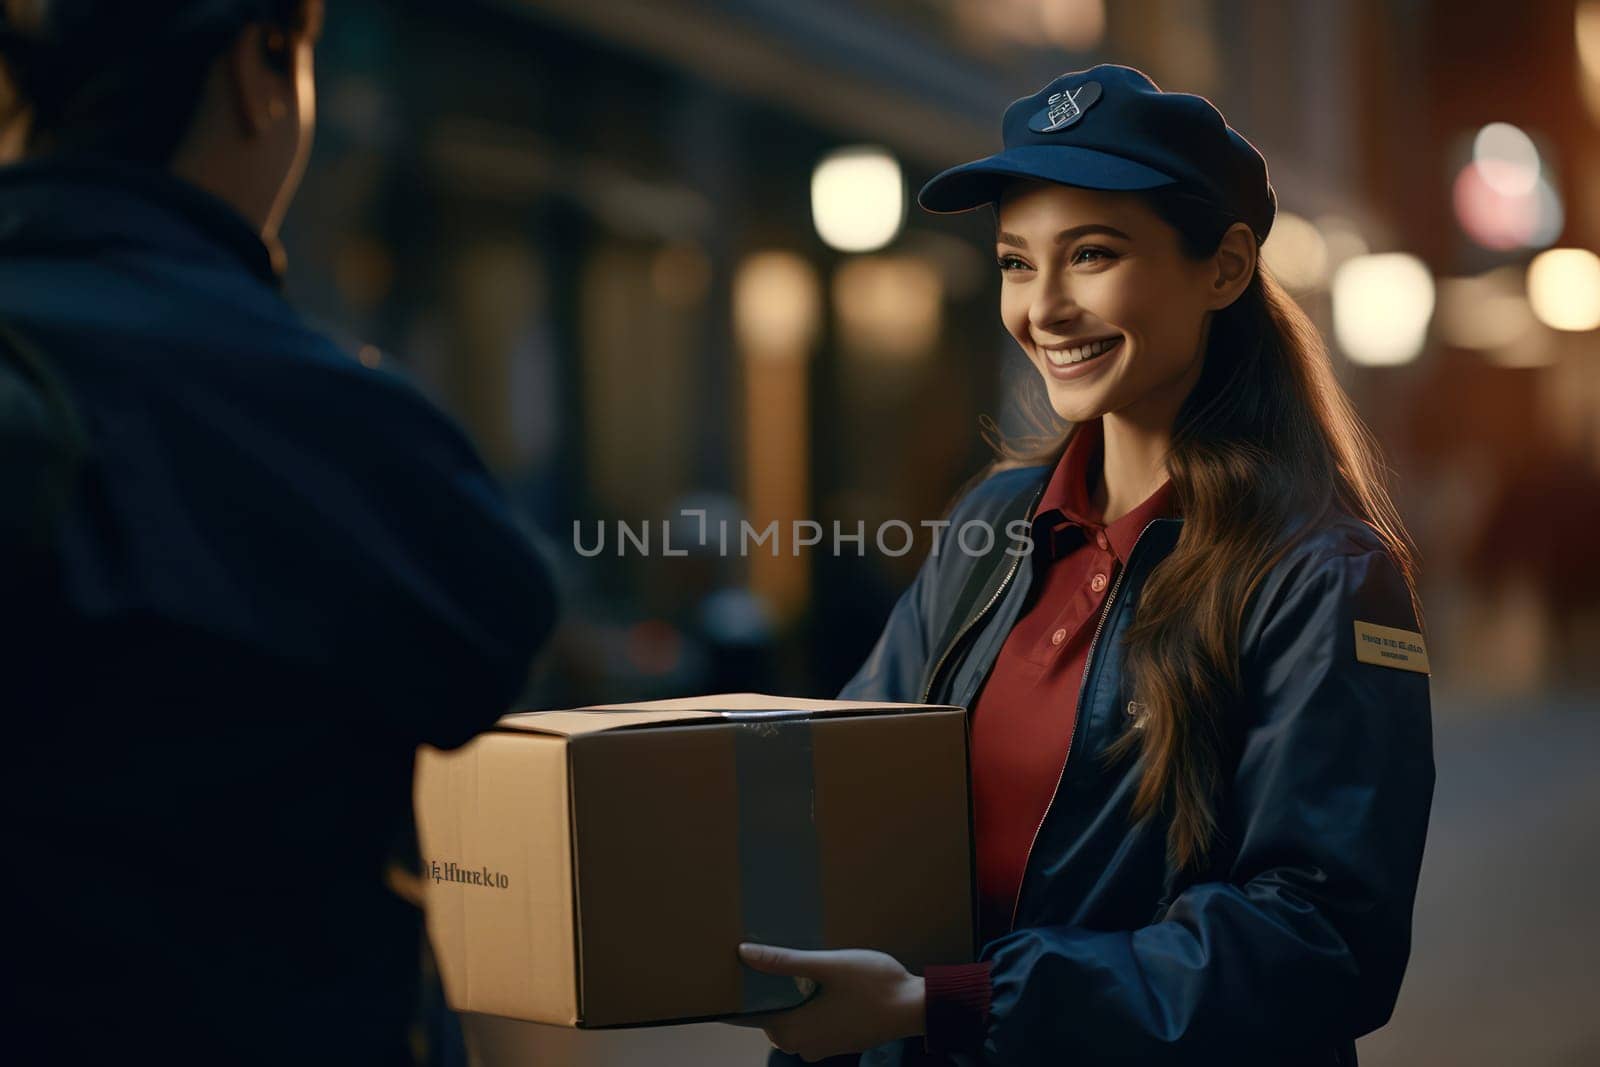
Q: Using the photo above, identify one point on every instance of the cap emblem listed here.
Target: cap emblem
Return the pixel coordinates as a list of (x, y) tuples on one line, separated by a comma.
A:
[(1064, 108)]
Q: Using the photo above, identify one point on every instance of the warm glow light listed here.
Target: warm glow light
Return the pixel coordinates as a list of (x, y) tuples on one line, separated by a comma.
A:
[(857, 199), (888, 306), (776, 304), (1296, 252), (1587, 31), (1564, 288), (1076, 25), (1509, 160), (1381, 307), (1487, 311)]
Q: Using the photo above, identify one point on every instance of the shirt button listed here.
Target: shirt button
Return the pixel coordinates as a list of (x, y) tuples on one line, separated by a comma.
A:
[(1100, 539), (1098, 583), (1058, 637)]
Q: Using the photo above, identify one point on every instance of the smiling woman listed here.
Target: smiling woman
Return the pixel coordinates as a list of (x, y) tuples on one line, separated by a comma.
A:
[(1199, 802), (1120, 286)]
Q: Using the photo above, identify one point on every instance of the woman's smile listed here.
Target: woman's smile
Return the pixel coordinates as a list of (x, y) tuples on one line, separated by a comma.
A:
[(1067, 362)]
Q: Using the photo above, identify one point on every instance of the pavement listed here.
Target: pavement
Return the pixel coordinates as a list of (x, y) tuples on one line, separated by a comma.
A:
[(1505, 961)]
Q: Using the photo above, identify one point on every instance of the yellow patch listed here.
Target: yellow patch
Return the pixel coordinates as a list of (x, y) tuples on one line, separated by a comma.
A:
[(1389, 647)]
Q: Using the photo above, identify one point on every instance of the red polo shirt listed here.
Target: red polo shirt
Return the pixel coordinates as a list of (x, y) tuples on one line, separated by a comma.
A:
[(1023, 719)]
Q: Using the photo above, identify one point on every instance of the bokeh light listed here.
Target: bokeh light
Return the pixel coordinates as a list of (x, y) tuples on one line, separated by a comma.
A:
[(1587, 32), (776, 304), (1076, 25), (858, 198), (1486, 311), (1551, 217), (1296, 252), (1491, 218), (1564, 288), (1490, 313), (1503, 198), (1381, 308), (1508, 157), (888, 306)]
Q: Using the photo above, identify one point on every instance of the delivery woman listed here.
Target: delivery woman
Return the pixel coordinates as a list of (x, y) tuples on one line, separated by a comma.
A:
[(1200, 735)]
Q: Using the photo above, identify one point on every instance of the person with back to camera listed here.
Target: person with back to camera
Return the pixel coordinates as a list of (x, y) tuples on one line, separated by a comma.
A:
[(1201, 743), (245, 576)]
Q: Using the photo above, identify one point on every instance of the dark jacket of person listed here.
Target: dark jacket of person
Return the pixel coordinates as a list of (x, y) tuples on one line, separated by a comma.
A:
[(272, 574), (1292, 941)]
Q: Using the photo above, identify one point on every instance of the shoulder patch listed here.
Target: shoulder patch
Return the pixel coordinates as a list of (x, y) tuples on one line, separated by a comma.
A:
[(1390, 647)]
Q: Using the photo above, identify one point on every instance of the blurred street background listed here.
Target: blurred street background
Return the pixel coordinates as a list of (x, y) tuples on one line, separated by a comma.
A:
[(659, 255)]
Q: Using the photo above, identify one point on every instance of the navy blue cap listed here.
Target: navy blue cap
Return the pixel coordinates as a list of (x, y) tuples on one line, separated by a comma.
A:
[(1111, 127)]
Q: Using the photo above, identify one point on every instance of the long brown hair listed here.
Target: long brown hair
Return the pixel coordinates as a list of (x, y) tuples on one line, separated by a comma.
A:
[(1265, 448)]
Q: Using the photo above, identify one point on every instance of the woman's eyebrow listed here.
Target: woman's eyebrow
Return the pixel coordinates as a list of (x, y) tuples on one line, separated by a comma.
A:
[(1015, 240)]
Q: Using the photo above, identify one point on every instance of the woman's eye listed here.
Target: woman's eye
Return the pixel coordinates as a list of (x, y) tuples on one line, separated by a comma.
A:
[(1010, 263), (1090, 253)]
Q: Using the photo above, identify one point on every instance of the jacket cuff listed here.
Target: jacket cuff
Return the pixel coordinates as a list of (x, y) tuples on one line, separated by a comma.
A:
[(957, 1012)]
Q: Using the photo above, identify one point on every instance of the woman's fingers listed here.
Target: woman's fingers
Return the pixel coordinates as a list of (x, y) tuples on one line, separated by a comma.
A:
[(770, 959), (867, 999)]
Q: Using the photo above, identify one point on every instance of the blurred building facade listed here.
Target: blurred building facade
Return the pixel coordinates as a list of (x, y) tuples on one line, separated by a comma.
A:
[(586, 229)]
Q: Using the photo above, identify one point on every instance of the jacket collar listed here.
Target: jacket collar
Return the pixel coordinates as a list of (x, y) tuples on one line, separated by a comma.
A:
[(86, 205), (1066, 504)]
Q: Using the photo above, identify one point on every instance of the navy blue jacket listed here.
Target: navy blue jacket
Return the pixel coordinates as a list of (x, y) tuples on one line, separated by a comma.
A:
[(277, 572), (1293, 941)]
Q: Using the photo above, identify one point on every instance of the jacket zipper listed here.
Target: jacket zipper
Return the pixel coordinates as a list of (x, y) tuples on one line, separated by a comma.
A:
[(1105, 613), (1016, 563)]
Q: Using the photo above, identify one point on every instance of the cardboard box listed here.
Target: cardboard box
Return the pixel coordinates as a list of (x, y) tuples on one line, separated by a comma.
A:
[(599, 867)]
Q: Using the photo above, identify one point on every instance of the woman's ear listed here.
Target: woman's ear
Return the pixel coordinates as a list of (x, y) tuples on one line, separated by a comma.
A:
[(1234, 264)]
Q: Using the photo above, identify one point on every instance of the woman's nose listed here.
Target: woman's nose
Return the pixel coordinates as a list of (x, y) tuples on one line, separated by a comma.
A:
[(1052, 307)]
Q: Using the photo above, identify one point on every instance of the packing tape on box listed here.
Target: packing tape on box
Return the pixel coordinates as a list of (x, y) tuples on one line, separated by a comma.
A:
[(779, 856)]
